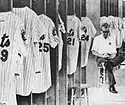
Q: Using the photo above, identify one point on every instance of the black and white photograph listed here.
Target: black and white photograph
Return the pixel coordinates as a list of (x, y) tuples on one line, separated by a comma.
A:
[(62, 52)]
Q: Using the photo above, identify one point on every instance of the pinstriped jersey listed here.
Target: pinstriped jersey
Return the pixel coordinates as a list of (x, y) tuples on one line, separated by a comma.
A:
[(42, 80), (90, 31), (10, 44), (74, 35), (34, 29)]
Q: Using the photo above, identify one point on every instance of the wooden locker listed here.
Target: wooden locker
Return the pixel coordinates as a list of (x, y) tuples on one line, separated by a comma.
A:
[(63, 79)]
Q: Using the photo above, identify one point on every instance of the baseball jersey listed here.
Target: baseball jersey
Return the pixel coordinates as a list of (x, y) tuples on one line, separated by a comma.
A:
[(34, 29), (61, 31), (42, 79), (10, 44), (90, 31), (74, 35)]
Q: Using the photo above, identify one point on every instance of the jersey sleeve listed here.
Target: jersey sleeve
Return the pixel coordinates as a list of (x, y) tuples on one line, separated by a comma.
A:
[(80, 32), (52, 34), (61, 25), (95, 45)]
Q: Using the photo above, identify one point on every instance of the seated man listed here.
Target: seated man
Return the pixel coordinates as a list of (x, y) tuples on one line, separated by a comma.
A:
[(105, 49)]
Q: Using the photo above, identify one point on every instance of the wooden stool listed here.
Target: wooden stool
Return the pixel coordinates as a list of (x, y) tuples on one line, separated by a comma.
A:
[(83, 94), (101, 75)]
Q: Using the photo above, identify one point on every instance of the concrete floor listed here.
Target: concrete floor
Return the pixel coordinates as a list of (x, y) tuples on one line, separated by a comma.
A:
[(101, 95)]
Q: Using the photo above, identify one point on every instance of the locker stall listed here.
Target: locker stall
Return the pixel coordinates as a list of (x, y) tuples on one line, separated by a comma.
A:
[(63, 78)]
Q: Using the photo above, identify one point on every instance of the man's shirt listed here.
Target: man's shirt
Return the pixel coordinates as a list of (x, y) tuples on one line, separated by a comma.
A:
[(102, 45)]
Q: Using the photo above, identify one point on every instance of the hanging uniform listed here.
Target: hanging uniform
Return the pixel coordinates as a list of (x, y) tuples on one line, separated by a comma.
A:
[(74, 35), (61, 31), (34, 29), (42, 79), (90, 31), (114, 31), (11, 28), (121, 29)]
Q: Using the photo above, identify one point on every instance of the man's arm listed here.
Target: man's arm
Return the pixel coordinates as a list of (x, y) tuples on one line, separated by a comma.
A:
[(111, 56), (100, 55), (96, 54)]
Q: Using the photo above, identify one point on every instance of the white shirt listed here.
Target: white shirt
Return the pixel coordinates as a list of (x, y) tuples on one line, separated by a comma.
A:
[(102, 45)]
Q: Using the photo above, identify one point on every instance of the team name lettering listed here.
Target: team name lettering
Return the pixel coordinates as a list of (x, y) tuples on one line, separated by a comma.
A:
[(5, 42), (70, 39), (23, 33), (54, 31)]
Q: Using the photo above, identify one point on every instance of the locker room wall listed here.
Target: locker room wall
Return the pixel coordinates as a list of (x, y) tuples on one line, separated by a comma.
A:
[(38, 6), (109, 7), (83, 8), (120, 8), (123, 8), (71, 7), (63, 80), (21, 3), (93, 12), (78, 8), (5, 5)]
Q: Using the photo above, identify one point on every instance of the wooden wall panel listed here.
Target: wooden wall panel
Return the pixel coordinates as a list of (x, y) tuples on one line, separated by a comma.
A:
[(71, 7), (120, 6), (94, 12), (63, 79), (38, 6), (52, 12), (78, 8), (5, 5), (109, 7), (83, 8), (123, 8)]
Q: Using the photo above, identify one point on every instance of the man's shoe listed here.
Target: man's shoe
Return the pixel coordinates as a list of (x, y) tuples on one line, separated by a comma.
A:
[(112, 89)]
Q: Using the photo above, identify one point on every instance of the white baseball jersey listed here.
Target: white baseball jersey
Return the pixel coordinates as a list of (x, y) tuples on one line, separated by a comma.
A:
[(90, 31), (61, 30), (42, 80), (74, 35), (10, 44), (34, 29)]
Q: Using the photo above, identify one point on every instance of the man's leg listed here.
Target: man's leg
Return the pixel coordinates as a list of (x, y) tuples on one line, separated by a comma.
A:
[(117, 60), (111, 77)]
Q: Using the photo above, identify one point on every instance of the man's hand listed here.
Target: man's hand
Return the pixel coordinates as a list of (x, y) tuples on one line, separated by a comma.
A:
[(106, 55), (111, 56)]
